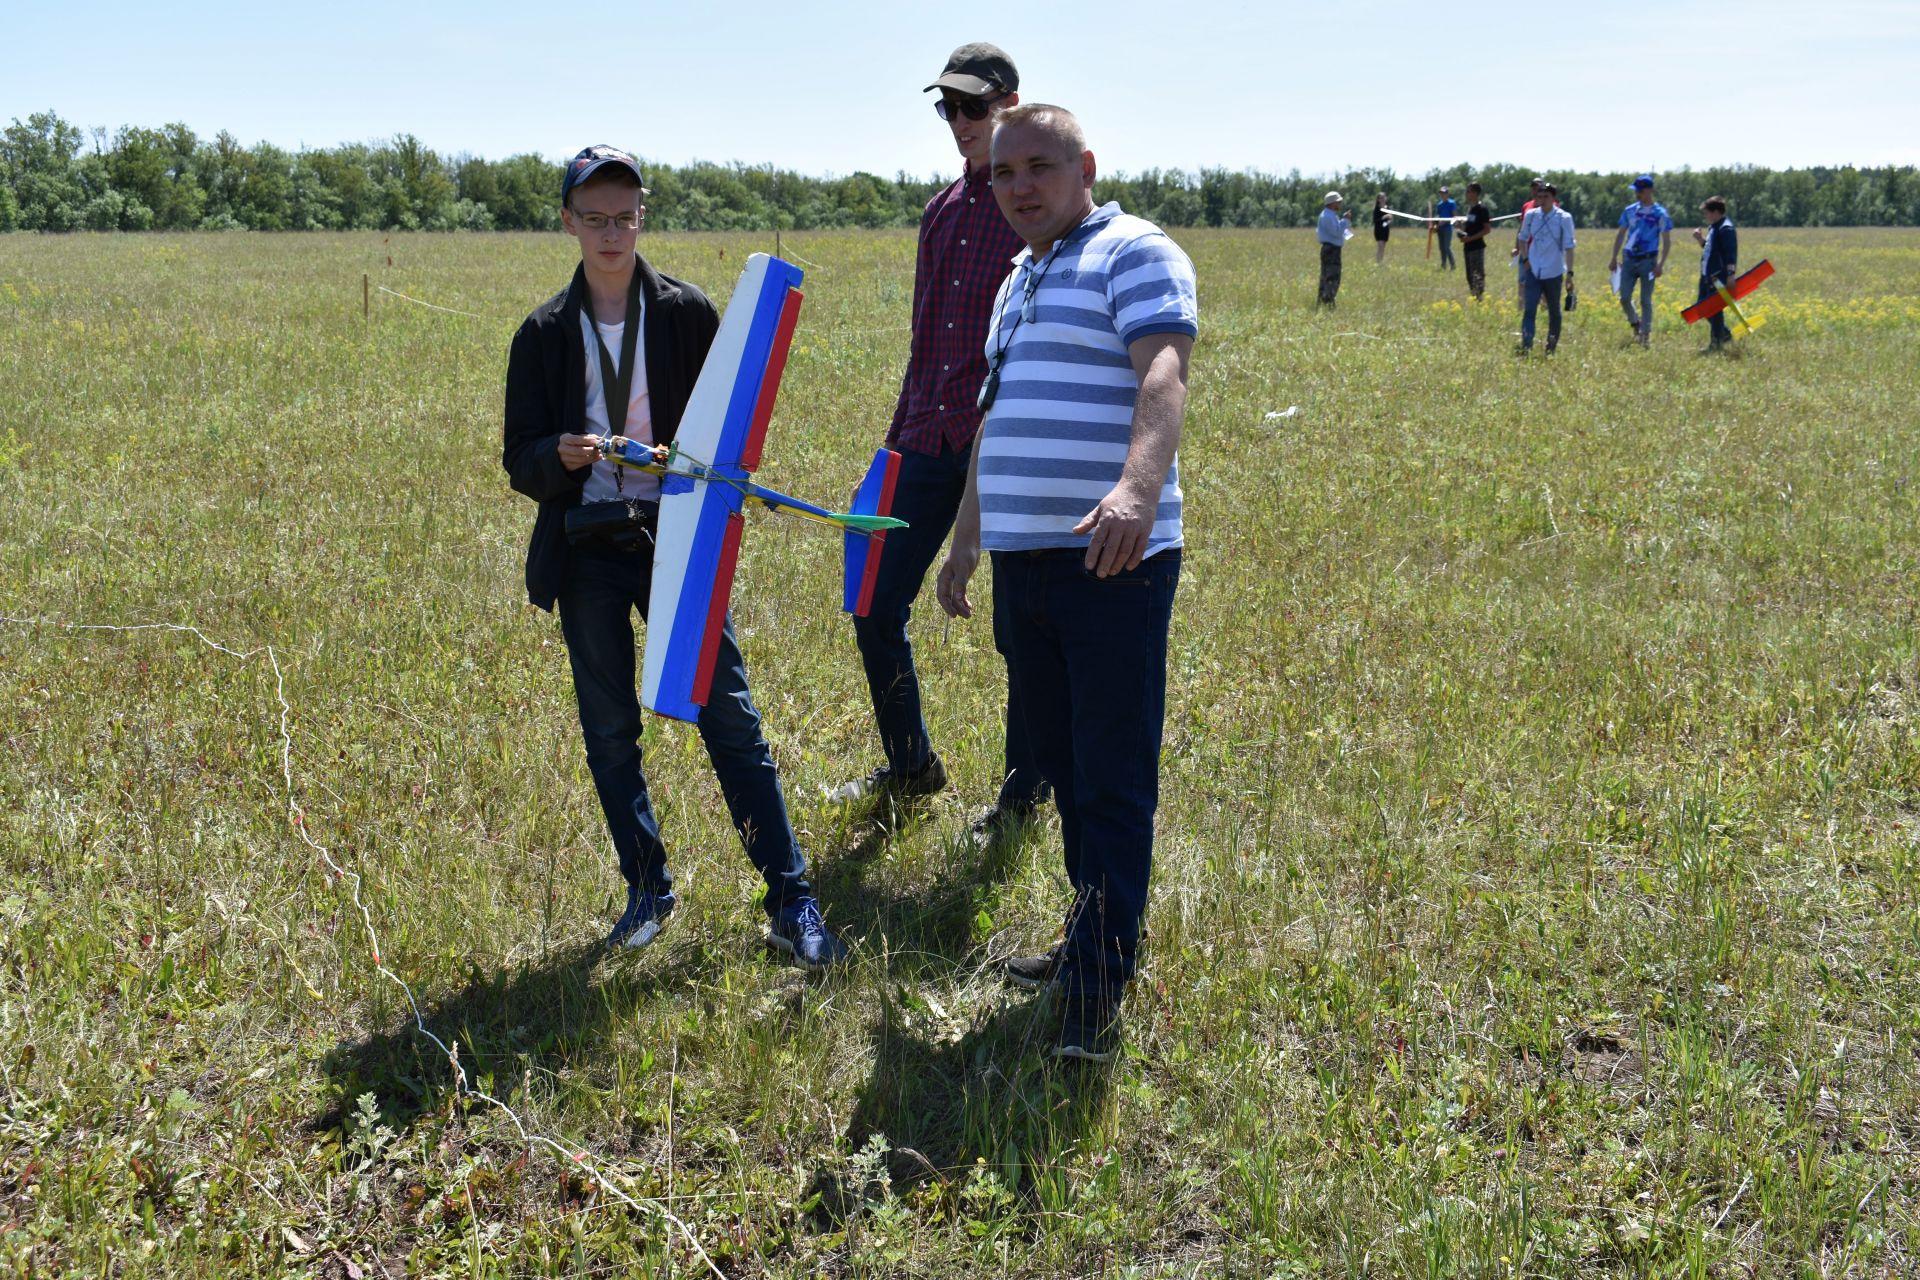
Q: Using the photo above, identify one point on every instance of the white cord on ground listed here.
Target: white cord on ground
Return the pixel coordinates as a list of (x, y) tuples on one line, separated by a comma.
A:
[(462, 1087)]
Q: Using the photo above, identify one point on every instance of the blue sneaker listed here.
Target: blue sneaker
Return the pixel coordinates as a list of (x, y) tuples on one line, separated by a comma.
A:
[(800, 932), (645, 915)]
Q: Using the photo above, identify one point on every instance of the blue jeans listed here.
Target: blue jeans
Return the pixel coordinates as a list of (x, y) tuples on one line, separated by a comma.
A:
[(1446, 246), (1638, 266), (1718, 321), (603, 589), (1091, 658), (1538, 287), (926, 494)]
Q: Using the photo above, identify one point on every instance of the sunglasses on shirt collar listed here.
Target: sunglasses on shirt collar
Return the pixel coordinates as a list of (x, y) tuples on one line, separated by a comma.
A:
[(971, 108)]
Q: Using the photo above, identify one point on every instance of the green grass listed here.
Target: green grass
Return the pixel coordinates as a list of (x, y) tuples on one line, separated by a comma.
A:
[(1538, 883)]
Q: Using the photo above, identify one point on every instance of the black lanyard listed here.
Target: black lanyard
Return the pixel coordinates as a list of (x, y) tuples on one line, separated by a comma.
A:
[(618, 384), (1030, 285)]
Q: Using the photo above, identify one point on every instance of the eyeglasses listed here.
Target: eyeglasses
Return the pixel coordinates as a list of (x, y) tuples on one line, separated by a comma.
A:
[(599, 221), (971, 108)]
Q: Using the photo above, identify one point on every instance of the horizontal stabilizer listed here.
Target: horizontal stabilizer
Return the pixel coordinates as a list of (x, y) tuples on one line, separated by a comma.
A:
[(867, 540)]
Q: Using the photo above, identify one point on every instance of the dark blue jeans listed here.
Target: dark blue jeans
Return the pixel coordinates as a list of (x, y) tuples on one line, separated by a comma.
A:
[(926, 494), (1717, 322), (1091, 658), (1536, 288), (1446, 246), (603, 589)]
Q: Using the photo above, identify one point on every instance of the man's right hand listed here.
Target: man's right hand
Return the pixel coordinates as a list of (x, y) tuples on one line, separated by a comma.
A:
[(950, 588), (579, 451)]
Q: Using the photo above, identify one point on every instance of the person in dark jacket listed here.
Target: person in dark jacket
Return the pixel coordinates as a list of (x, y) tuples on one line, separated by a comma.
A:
[(1382, 228), (1719, 264), (617, 352), (1473, 241)]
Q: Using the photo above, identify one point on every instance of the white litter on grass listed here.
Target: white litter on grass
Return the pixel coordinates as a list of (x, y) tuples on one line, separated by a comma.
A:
[(1276, 414)]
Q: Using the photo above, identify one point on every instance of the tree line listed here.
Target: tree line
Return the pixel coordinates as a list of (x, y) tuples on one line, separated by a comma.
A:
[(55, 176)]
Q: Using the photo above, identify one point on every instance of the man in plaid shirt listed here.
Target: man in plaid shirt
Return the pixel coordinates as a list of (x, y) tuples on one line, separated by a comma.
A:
[(966, 247)]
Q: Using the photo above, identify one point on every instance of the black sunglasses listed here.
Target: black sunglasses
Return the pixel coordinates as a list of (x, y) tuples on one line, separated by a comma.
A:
[(971, 108)]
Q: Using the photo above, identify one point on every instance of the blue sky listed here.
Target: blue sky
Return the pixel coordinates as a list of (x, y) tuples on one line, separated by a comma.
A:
[(834, 88)]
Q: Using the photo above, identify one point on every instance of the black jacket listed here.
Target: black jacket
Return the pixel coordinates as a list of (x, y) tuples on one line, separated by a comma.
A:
[(1723, 252), (547, 396)]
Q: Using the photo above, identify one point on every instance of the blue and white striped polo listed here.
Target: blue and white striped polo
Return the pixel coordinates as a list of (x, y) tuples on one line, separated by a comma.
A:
[(1055, 439)]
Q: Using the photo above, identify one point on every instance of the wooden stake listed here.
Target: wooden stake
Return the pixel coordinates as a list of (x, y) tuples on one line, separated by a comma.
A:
[(1430, 228), (366, 297), (776, 243)]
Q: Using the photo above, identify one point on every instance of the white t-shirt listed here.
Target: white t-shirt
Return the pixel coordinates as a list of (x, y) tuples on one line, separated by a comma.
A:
[(609, 482)]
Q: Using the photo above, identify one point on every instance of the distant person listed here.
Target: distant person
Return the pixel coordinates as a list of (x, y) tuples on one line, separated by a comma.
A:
[(1719, 264), (1473, 241), (1647, 233), (1382, 228), (1334, 231), (1520, 259), (1546, 244), (965, 246), (1075, 490), (1445, 211), (616, 353)]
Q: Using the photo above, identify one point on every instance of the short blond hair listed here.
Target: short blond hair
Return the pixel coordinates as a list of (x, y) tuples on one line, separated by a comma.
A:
[(1057, 123)]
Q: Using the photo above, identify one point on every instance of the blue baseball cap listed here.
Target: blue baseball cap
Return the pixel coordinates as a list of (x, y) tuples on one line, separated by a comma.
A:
[(591, 160), (1643, 183)]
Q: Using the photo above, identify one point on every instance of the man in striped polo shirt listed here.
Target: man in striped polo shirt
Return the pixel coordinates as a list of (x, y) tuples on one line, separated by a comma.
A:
[(1074, 488), (965, 244)]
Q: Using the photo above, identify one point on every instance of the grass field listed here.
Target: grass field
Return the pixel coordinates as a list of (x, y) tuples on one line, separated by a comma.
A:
[(1538, 884)]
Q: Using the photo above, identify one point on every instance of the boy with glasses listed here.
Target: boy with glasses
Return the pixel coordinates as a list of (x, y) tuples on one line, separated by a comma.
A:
[(616, 353), (965, 246)]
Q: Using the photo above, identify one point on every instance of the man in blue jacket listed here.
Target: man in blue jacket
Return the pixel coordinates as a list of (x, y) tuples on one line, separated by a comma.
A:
[(1445, 210), (1719, 264), (616, 353)]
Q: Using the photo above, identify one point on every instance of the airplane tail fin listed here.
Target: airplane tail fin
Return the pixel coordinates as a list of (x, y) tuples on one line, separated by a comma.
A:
[(864, 547)]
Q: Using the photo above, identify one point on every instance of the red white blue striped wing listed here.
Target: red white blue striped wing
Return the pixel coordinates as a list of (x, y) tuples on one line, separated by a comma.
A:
[(700, 520)]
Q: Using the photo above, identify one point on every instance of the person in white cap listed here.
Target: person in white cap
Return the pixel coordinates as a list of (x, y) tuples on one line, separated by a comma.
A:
[(1335, 228)]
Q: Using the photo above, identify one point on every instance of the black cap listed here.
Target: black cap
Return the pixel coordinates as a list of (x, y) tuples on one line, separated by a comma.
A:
[(593, 159), (978, 70)]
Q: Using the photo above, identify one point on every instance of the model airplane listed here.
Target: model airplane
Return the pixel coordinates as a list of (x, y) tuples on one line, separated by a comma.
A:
[(704, 488), (1727, 298)]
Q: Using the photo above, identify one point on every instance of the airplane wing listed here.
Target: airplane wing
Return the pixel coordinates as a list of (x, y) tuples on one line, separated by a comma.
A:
[(1713, 304), (719, 441)]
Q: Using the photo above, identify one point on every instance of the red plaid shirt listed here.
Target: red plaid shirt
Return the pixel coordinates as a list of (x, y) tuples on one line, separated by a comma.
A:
[(966, 250)]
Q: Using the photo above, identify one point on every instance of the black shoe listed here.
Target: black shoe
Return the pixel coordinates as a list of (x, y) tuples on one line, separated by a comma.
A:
[(885, 784), (1089, 1032), (999, 822), (1034, 973)]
